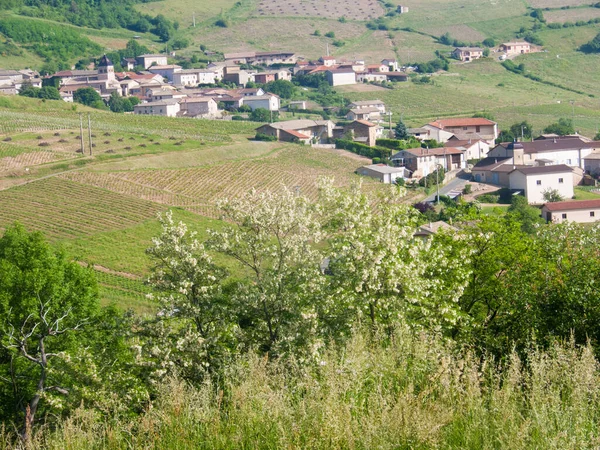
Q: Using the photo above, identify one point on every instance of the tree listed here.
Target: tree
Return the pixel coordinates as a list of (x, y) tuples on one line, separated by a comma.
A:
[(273, 237), (193, 330), (527, 215), (400, 130), (44, 300), (87, 96), (260, 115), (49, 93), (521, 130), (117, 104), (283, 88), (563, 127), (592, 46), (552, 195), (28, 90)]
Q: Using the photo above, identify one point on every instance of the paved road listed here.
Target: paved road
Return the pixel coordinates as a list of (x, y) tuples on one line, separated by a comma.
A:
[(456, 184)]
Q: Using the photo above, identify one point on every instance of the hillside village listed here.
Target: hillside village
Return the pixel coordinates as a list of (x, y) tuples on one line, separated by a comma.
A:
[(236, 87)]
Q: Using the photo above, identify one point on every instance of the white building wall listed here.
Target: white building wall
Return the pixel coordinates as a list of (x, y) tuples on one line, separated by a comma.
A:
[(579, 215), (534, 185)]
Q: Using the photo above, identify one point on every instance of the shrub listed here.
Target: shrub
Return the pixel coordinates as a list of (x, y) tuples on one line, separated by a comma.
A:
[(330, 34), (467, 189), (264, 137)]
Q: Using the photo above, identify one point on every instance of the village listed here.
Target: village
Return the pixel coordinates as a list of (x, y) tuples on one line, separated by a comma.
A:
[(468, 145)]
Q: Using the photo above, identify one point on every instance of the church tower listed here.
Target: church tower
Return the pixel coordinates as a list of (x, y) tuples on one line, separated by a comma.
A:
[(106, 69)]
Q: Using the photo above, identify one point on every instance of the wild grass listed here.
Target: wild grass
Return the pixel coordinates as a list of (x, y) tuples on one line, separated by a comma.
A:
[(414, 392)]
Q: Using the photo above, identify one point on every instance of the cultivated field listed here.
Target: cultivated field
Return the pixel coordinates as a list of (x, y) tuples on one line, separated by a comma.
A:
[(557, 3), (332, 9), (571, 15)]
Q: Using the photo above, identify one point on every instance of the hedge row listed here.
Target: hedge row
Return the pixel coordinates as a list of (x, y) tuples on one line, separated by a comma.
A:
[(362, 149)]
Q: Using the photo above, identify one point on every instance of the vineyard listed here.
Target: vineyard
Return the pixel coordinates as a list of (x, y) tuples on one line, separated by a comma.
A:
[(197, 189)]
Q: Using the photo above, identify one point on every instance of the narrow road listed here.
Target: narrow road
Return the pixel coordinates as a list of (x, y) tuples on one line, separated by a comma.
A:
[(456, 184)]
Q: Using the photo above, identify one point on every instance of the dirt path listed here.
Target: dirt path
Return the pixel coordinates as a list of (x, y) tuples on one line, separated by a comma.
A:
[(103, 269)]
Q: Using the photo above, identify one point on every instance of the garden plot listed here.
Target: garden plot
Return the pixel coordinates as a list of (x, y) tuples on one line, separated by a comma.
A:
[(332, 9)]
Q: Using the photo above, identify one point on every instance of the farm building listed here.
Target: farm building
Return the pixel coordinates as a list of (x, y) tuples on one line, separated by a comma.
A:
[(467, 53), (423, 161), (200, 108), (168, 108), (319, 131), (584, 211), (363, 131), (515, 48), (391, 63), (341, 77), (383, 173), (270, 102)]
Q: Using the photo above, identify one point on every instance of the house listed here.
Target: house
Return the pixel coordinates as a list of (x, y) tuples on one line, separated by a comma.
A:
[(364, 114), (340, 77), (591, 164), (429, 229), (465, 128), (148, 60), (570, 151), (164, 94), (250, 92), (423, 161), (474, 148), (194, 77), (297, 104), (262, 58), (168, 108), (383, 173), (584, 211), (128, 63), (515, 48), (493, 171), (534, 181), (368, 104), (327, 61), (467, 53), (374, 68), (364, 77), (392, 64), (401, 9), (165, 71), (422, 134), (319, 131), (199, 107), (363, 131), (397, 76), (270, 102), (237, 75), (264, 77)]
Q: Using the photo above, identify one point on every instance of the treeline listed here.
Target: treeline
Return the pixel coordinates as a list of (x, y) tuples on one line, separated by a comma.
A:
[(95, 14), (287, 287)]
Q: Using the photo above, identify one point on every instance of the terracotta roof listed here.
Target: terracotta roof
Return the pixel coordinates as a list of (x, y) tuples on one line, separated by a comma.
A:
[(461, 122), (327, 58), (295, 133), (572, 205)]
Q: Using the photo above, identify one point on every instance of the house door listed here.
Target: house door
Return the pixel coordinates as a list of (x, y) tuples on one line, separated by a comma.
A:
[(548, 217)]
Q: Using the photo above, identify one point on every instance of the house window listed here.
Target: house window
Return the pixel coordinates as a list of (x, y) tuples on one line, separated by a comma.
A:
[(592, 213), (465, 128), (564, 216), (477, 129), (569, 162), (561, 180), (538, 182)]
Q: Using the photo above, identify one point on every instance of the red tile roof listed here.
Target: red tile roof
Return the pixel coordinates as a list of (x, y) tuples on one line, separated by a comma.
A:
[(366, 122), (572, 205), (295, 133), (434, 151), (461, 122)]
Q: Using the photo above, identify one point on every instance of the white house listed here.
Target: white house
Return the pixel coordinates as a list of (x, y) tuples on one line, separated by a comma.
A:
[(534, 181), (463, 128), (165, 71), (423, 161), (340, 77), (168, 108), (147, 60), (194, 77), (383, 173), (583, 211), (270, 102)]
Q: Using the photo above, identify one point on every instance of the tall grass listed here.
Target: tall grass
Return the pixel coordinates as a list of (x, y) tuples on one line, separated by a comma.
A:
[(415, 392)]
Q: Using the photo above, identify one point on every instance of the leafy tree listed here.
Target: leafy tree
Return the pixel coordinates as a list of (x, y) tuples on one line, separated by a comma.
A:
[(330, 34), (181, 43), (489, 42), (521, 129), (552, 195), (283, 88), (563, 127), (49, 93), (400, 130), (592, 46), (87, 96), (260, 115), (44, 300), (116, 103), (486, 52), (28, 90), (527, 215)]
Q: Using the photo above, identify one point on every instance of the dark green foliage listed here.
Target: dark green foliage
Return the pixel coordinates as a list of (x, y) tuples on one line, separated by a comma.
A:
[(52, 42), (87, 96), (330, 34), (400, 130), (263, 115), (433, 65), (362, 149), (563, 127), (283, 88), (119, 104), (538, 14), (527, 215), (488, 42), (264, 137), (94, 14), (592, 46), (432, 179), (398, 144)]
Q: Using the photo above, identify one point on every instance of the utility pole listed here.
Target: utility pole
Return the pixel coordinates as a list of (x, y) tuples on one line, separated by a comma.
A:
[(390, 115), (81, 131), (437, 182), (90, 131), (194, 19)]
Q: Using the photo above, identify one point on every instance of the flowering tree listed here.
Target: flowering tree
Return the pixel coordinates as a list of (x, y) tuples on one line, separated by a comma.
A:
[(272, 236), (192, 330)]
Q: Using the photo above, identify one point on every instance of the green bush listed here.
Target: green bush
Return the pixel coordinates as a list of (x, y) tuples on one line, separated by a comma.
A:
[(264, 137), (362, 149)]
